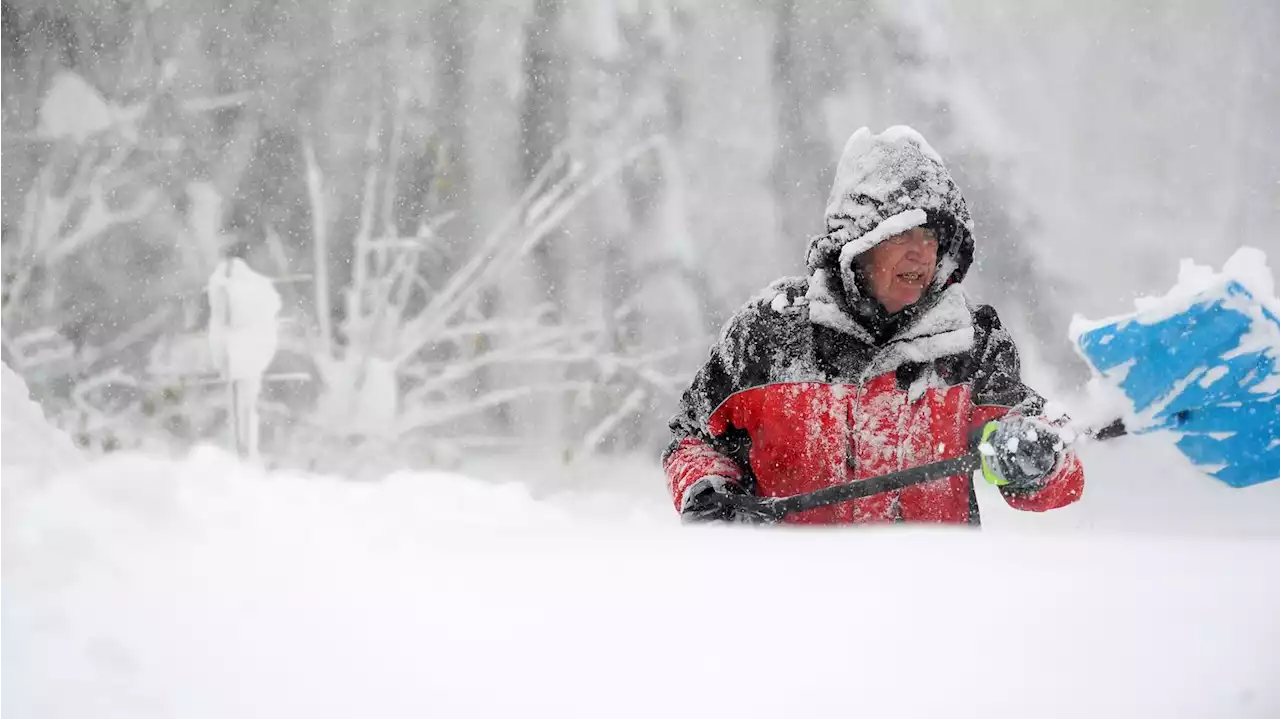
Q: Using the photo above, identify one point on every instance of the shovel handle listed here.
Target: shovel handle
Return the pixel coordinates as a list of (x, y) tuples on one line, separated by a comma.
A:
[(778, 507)]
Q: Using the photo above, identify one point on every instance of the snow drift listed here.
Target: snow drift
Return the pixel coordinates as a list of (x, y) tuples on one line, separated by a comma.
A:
[(29, 441), (145, 587)]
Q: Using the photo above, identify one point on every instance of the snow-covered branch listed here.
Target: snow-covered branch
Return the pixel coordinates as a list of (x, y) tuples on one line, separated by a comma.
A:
[(525, 229), (429, 416), (319, 245), (98, 217), (409, 367)]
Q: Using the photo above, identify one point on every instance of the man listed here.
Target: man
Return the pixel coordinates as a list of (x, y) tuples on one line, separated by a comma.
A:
[(875, 362)]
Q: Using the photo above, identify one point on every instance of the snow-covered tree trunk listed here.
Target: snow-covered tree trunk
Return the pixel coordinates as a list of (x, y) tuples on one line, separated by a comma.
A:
[(800, 178), (452, 28), (544, 124)]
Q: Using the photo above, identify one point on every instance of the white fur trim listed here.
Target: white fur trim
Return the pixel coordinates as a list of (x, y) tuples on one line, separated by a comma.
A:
[(952, 312), (824, 311), (945, 330), (893, 225)]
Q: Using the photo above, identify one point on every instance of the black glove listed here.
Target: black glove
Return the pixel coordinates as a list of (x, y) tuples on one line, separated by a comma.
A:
[(708, 502), (1019, 452)]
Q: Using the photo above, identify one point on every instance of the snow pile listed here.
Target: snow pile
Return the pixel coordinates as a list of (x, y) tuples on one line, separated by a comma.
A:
[(142, 587), (30, 443)]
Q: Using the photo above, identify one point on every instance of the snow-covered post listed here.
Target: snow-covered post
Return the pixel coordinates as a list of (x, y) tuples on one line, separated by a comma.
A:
[(244, 309)]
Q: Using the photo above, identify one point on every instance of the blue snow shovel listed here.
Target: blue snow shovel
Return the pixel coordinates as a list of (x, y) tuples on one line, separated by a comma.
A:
[(1209, 372)]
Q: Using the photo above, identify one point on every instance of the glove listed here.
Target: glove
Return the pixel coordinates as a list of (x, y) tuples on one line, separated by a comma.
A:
[(1019, 452), (707, 501)]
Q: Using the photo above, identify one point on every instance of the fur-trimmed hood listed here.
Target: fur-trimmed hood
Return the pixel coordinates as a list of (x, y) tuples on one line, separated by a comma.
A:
[(886, 184)]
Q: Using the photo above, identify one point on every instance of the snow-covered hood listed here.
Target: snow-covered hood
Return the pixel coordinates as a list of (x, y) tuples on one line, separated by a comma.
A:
[(886, 184)]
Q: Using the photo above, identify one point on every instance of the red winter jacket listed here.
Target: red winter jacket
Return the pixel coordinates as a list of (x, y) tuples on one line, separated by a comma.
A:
[(801, 392), (781, 438)]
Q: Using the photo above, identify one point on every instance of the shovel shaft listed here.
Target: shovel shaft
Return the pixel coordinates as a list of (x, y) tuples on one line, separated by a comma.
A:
[(779, 507)]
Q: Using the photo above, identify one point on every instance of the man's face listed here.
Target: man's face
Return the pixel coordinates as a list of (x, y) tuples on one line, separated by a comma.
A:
[(901, 268)]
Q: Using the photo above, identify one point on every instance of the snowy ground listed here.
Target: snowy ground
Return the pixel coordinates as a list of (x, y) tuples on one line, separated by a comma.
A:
[(142, 587), (138, 586)]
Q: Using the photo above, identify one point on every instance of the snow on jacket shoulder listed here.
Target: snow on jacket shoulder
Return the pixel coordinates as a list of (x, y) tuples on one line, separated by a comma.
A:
[(786, 405)]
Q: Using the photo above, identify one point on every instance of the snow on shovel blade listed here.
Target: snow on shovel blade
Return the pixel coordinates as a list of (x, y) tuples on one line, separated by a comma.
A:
[(1202, 361)]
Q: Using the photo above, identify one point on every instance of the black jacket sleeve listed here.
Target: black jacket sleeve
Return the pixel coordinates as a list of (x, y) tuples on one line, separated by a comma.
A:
[(996, 370), (731, 367)]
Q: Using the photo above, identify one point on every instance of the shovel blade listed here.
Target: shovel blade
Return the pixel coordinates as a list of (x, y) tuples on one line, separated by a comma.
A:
[(1207, 368)]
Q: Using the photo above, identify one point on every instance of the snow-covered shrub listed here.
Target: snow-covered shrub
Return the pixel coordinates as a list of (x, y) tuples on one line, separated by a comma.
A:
[(409, 370), (433, 343), (100, 260)]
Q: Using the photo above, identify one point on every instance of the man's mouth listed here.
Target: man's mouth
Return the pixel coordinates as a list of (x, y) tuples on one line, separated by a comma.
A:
[(912, 277)]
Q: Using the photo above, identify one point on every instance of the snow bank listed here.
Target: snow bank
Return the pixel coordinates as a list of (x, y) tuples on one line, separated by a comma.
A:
[(31, 445), (146, 587)]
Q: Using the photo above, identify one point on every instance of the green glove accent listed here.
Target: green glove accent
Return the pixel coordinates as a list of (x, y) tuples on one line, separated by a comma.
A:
[(992, 478)]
